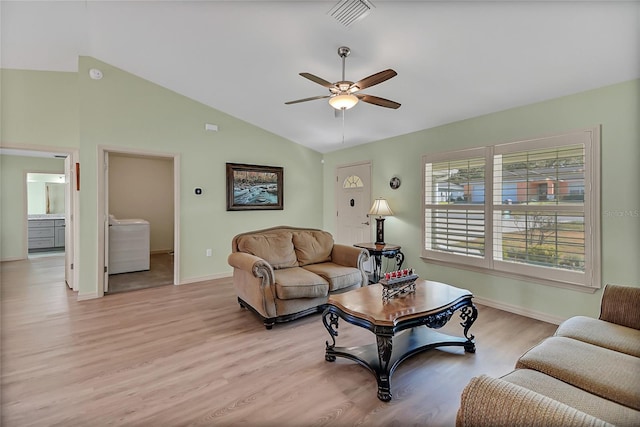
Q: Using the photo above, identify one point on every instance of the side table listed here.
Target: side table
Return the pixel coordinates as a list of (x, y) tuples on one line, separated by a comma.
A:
[(377, 252)]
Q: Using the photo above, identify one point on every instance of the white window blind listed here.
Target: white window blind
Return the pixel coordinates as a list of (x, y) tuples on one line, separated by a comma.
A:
[(527, 208), (454, 209), (539, 206)]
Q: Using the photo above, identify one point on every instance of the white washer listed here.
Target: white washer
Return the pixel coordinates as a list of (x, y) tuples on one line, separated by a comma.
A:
[(129, 245)]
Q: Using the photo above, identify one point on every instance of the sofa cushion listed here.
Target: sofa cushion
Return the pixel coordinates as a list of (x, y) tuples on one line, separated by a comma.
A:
[(586, 402), (338, 276), (297, 282), (312, 246), (606, 373), (620, 305), (275, 248), (494, 402), (601, 333)]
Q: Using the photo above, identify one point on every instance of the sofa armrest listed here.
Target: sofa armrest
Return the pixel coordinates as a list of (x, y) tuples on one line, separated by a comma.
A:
[(620, 305), (349, 256), (253, 264), (492, 402)]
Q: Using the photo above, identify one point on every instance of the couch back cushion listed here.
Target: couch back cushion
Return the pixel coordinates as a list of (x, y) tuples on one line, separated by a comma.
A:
[(312, 246), (276, 248)]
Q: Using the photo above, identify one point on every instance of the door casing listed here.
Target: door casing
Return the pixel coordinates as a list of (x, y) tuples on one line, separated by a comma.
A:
[(103, 205)]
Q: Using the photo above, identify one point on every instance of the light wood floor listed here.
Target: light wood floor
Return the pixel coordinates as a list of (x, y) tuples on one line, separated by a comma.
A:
[(189, 355)]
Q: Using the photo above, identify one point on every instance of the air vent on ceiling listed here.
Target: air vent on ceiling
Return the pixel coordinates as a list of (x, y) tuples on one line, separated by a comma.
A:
[(348, 12)]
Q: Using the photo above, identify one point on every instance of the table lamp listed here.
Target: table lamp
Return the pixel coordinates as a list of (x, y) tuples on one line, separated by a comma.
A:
[(381, 208)]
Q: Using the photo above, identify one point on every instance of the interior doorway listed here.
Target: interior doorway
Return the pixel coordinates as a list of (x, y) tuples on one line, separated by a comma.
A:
[(46, 206), (62, 203), (139, 210)]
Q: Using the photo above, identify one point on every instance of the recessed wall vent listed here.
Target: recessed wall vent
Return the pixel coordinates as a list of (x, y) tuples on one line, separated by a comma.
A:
[(347, 12)]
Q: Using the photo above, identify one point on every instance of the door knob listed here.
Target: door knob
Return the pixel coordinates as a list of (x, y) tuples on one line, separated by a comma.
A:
[(365, 223)]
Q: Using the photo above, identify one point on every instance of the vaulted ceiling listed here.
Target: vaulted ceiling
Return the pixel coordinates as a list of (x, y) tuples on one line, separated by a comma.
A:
[(454, 59)]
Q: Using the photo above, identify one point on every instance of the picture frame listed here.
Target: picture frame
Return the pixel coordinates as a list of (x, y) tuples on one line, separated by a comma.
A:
[(254, 187)]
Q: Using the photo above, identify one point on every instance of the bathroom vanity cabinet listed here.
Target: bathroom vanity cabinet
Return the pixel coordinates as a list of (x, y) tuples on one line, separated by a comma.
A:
[(46, 233)]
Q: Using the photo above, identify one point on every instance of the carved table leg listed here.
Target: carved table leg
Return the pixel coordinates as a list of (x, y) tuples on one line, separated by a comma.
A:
[(399, 260), (385, 347), (332, 327), (377, 268), (468, 314)]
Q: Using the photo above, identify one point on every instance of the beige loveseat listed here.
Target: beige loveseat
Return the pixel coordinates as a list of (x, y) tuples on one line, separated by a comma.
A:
[(587, 374), (283, 273)]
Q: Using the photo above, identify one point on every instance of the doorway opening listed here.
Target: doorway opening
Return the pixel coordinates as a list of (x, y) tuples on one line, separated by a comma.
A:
[(46, 213), (29, 239), (140, 212)]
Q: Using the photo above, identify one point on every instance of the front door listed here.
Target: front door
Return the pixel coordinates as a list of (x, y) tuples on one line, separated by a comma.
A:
[(353, 191)]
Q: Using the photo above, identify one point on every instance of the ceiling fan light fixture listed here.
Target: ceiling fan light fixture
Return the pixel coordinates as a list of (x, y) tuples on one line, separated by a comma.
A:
[(343, 101)]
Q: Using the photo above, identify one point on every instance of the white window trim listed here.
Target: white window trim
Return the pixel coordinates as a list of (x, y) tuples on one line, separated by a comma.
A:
[(590, 280)]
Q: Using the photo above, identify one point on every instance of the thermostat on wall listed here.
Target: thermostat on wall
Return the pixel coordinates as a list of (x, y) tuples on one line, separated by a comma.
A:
[(198, 191)]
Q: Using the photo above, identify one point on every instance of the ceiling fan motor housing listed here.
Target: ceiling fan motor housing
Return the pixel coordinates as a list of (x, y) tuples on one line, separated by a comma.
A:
[(344, 51)]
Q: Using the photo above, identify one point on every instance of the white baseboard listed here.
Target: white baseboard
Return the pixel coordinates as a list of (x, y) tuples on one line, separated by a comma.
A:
[(206, 278), (86, 296), (519, 310)]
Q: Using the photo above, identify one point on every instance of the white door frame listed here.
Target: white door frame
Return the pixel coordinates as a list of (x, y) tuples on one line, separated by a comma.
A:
[(71, 187), (103, 217), (104, 172), (74, 156)]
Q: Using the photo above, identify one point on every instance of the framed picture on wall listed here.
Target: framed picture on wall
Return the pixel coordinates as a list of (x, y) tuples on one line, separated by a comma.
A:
[(254, 187)]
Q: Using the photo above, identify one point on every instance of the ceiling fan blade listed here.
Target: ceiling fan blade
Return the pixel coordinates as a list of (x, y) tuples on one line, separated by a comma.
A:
[(375, 100), (374, 79), (316, 79), (307, 99)]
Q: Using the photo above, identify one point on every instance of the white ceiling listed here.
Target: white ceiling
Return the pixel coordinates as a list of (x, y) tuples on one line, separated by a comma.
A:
[(455, 59)]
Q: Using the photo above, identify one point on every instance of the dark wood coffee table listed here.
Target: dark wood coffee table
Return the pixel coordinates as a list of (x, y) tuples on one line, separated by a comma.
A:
[(403, 326)]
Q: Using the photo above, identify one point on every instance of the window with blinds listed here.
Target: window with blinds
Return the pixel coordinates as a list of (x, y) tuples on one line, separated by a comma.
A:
[(454, 206), (527, 208)]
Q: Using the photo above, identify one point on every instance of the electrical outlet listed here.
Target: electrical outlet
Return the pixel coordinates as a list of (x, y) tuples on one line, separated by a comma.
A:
[(209, 252)]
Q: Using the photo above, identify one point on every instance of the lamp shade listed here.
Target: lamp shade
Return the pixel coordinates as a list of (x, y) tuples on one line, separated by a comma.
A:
[(381, 208), (343, 101)]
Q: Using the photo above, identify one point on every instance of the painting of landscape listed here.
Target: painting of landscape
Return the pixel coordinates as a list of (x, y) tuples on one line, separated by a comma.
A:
[(254, 187)]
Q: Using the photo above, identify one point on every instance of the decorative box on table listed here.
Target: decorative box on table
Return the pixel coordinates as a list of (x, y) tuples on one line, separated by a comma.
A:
[(398, 283)]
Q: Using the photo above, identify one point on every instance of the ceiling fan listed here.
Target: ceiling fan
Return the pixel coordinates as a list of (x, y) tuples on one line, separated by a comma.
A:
[(346, 94)]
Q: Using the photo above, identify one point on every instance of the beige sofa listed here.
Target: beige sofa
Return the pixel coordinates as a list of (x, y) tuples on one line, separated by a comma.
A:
[(587, 374), (283, 273)]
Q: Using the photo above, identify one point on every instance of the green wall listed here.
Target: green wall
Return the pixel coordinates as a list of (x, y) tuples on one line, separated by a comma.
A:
[(69, 110), (124, 111), (13, 207), (615, 107), (39, 108)]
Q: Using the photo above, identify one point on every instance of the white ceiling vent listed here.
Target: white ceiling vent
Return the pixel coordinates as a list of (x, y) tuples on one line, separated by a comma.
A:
[(348, 12)]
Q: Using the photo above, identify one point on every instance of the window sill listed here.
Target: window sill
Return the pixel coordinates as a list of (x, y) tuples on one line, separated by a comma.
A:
[(498, 273)]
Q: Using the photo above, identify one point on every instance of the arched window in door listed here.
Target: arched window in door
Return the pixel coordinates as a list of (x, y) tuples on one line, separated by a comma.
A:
[(353, 181)]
